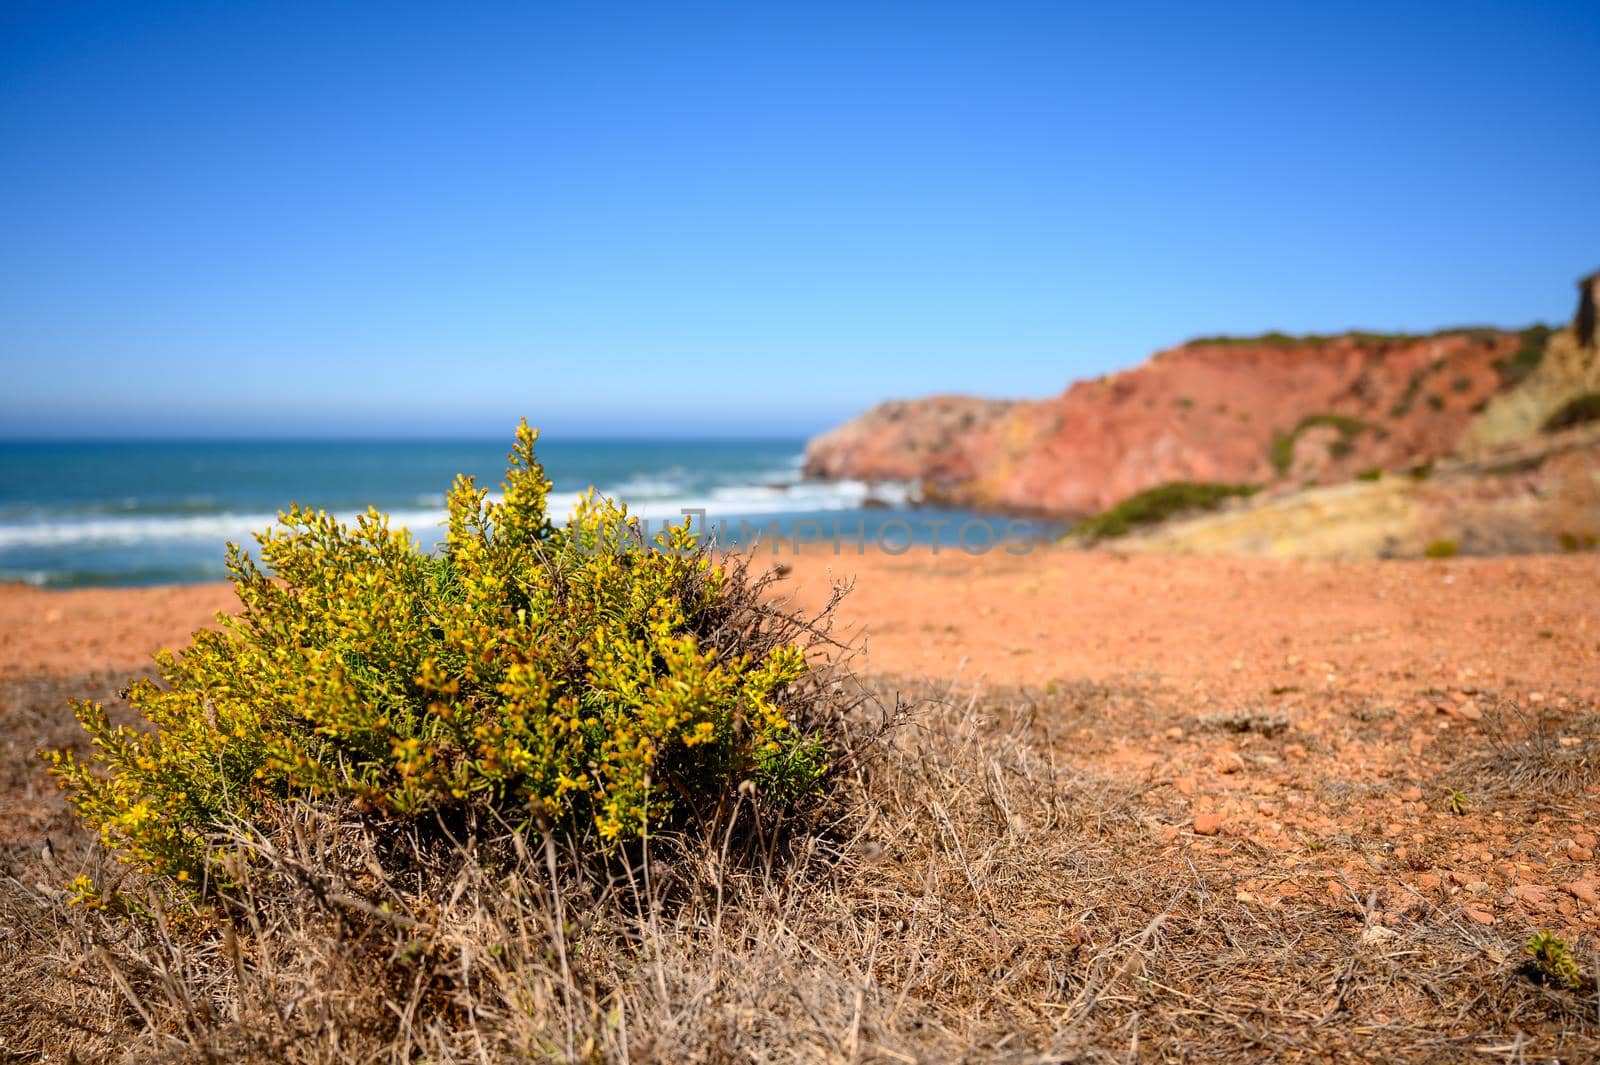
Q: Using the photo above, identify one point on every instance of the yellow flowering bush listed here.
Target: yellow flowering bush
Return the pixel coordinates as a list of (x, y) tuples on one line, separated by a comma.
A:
[(573, 675)]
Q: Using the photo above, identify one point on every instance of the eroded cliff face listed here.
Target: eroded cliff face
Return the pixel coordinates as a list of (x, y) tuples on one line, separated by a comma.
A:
[(1525, 478), (1570, 368), (907, 440), (1276, 410), (1540, 494)]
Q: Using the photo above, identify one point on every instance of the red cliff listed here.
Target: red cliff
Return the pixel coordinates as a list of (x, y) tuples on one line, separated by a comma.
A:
[(1274, 409)]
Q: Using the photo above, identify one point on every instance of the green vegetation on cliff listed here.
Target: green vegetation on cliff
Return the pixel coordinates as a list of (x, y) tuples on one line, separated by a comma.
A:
[(1515, 367), (1157, 504), (1281, 451), (1580, 410), (1311, 340)]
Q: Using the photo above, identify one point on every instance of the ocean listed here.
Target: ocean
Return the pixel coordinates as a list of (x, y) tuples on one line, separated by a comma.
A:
[(129, 513)]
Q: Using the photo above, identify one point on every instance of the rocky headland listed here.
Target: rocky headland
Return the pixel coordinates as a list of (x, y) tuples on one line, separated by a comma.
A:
[(1473, 435)]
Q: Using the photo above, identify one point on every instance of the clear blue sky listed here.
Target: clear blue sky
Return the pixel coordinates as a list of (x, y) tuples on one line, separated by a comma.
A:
[(713, 219)]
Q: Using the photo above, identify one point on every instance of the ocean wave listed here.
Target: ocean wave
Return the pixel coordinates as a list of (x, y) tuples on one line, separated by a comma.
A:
[(127, 506), (206, 528), (734, 501), (769, 499), (115, 576), (662, 483)]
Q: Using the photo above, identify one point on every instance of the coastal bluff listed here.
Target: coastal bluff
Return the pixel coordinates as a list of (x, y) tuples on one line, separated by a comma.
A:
[(1263, 410)]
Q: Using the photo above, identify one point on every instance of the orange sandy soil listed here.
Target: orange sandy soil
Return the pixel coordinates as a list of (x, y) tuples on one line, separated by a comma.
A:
[(1370, 692)]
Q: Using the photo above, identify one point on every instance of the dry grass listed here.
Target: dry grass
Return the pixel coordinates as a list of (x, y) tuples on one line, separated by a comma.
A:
[(1262, 722), (974, 892), (1532, 755)]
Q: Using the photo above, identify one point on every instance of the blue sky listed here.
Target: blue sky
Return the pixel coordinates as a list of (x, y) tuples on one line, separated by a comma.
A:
[(329, 218)]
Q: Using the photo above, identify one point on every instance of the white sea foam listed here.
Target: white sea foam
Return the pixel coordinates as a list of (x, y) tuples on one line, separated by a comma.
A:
[(204, 528), (725, 502)]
